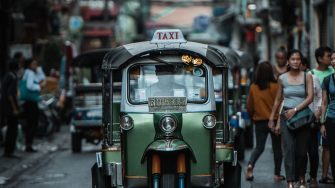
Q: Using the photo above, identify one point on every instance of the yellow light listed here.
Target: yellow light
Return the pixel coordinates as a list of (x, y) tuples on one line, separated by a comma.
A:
[(197, 62), (187, 59)]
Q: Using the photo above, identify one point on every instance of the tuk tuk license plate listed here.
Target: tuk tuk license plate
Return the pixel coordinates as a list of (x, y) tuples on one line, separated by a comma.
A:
[(167, 104)]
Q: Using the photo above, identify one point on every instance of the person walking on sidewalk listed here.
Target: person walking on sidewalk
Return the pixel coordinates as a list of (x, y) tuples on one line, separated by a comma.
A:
[(30, 106), (315, 106), (10, 108), (259, 105), (280, 66), (327, 129), (295, 90), (322, 57)]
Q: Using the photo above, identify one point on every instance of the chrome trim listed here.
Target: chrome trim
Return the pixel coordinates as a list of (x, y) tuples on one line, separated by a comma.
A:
[(203, 123), (123, 119), (115, 171), (99, 159), (174, 121), (235, 158)]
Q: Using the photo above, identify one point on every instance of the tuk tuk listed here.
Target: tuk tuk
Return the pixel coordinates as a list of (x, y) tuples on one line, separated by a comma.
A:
[(169, 128), (86, 116)]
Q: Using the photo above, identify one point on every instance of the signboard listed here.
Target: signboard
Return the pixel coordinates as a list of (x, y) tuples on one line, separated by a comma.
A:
[(167, 104), (168, 36)]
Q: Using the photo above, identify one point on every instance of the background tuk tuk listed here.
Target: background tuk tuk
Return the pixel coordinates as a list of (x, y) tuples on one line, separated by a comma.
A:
[(176, 138), (86, 116)]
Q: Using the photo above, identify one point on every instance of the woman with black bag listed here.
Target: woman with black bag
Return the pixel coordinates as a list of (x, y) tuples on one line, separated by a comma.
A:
[(30, 88), (296, 92)]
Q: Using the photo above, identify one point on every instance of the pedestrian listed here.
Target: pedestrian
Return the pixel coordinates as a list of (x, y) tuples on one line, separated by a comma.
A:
[(10, 108), (322, 56), (295, 90), (19, 58), (30, 105), (313, 143), (327, 129), (259, 105), (280, 66)]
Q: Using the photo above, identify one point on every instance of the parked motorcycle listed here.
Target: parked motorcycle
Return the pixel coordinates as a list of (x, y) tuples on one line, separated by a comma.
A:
[(49, 120)]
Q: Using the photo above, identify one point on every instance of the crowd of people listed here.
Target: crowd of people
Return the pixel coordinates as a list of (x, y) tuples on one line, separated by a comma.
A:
[(283, 93)]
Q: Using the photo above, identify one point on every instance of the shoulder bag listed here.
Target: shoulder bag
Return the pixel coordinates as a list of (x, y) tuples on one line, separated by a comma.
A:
[(302, 118), (26, 94)]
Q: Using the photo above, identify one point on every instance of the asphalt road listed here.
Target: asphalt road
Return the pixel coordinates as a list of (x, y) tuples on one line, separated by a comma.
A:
[(56, 166)]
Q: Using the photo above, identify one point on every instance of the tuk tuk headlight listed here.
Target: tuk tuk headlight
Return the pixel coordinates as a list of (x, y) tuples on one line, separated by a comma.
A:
[(209, 121), (126, 123), (168, 124)]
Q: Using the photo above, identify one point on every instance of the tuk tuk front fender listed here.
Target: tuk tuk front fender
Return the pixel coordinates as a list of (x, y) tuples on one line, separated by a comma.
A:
[(168, 145)]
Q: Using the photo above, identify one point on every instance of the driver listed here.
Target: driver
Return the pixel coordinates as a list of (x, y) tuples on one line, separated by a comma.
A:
[(166, 85)]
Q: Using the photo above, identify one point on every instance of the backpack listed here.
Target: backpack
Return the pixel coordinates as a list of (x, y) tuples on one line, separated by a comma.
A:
[(326, 82)]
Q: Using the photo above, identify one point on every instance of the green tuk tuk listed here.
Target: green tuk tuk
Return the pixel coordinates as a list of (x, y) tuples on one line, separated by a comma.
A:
[(168, 125)]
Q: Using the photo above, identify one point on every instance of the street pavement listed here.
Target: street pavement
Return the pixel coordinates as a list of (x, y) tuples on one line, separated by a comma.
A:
[(11, 169), (264, 170)]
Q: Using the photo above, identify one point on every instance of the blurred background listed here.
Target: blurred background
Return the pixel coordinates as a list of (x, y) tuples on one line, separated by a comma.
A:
[(52, 29)]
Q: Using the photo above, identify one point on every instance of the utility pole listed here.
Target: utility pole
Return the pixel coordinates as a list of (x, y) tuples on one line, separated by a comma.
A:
[(4, 35), (106, 11)]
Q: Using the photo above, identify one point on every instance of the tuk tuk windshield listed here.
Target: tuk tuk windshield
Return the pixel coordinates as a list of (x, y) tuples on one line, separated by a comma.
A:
[(167, 81)]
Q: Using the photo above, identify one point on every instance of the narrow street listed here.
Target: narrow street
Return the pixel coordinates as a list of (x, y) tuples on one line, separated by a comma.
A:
[(56, 166)]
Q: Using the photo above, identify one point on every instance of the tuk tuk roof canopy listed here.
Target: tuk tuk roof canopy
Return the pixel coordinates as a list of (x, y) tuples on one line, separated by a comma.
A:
[(121, 56), (90, 58), (117, 57)]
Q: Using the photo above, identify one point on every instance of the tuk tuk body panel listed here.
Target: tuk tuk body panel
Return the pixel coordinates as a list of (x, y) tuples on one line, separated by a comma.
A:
[(111, 157), (199, 139), (144, 124), (142, 134)]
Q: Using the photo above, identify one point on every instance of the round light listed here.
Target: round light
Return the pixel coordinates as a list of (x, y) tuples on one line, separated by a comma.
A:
[(126, 123), (168, 124), (209, 121)]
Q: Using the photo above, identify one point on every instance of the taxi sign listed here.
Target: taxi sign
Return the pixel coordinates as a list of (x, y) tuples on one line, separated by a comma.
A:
[(168, 36)]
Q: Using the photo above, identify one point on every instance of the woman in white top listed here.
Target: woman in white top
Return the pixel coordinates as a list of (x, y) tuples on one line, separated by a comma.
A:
[(31, 106)]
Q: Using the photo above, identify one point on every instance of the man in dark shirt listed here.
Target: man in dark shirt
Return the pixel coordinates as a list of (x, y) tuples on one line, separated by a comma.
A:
[(10, 108)]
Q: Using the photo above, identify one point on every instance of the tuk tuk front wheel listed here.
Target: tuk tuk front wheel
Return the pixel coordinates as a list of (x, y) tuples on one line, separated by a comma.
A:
[(232, 176), (76, 142), (99, 180)]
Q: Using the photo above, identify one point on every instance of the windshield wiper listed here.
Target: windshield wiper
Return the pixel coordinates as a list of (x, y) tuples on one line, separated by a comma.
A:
[(160, 60)]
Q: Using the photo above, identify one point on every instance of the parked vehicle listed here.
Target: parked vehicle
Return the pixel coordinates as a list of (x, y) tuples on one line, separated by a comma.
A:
[(87, 101), (171, 128)]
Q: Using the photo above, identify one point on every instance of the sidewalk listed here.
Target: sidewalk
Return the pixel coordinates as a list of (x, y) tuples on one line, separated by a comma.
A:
[(264, 170), (11, 167)]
